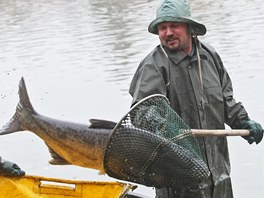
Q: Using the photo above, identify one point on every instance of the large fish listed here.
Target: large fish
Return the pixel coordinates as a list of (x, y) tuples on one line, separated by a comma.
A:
[(69, 143), (122, 151)]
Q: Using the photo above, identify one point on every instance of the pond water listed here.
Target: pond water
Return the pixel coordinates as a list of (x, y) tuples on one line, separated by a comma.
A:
[(78, 57)]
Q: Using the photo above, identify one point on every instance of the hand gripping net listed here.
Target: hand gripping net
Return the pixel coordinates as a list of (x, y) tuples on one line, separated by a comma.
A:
[(153, 146)]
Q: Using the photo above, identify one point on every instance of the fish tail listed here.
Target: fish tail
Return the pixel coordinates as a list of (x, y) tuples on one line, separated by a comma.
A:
[(14, 124)]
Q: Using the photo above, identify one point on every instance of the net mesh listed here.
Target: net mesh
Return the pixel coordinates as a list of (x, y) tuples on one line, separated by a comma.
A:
[(153, 146)]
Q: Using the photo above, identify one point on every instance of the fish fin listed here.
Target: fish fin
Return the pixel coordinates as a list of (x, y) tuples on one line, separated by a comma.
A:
[(24, 101), (10, 127), (102, 124), (24, 104), (101, 173), (56, 158), (58, 161)]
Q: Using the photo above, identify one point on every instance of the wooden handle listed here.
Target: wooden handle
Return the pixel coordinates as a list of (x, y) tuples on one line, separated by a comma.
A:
[(217, 132)]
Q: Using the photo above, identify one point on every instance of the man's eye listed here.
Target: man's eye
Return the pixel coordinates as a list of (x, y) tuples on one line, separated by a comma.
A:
[(175, 25), (162, 28)]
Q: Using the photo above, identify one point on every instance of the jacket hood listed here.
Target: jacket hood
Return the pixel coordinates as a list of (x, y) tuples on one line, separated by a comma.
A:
[(175, 11)]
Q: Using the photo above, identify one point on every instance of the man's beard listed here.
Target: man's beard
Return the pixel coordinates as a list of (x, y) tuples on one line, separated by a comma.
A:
[(173, 48)]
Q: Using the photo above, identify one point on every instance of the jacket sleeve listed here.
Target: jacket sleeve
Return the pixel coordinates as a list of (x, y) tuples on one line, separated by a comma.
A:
[(147, 80), (234, 111)]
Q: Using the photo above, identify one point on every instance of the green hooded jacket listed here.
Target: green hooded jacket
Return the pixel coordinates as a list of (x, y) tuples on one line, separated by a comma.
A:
[(206, 104), (177, 77)]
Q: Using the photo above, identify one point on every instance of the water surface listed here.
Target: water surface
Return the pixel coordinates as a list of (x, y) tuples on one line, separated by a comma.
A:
[(79, 56)]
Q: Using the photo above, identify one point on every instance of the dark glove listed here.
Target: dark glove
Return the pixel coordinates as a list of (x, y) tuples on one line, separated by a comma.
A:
[(10, 169), (256, 131)]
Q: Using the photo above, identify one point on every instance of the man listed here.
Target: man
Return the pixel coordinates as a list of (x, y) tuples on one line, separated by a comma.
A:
[(8, 168), (191, 75)]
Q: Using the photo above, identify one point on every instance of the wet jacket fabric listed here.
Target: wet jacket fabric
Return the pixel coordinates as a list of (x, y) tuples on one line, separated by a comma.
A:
[(177, 77)]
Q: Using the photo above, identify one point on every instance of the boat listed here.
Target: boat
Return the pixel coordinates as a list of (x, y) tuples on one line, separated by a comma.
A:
[(43, 187)]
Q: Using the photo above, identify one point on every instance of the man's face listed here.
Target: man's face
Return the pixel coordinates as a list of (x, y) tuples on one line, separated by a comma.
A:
[(175, 36)]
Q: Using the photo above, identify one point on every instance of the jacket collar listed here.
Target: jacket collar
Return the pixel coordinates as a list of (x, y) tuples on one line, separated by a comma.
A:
[(177, 57)]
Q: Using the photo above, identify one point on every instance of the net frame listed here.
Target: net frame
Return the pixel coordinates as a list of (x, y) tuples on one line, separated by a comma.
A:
[(144, 147)]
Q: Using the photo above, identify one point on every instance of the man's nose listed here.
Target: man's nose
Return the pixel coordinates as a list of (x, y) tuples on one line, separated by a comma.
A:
[(169, 31)]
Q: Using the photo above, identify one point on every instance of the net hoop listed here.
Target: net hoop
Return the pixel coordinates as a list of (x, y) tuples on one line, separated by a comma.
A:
[(150, 158)]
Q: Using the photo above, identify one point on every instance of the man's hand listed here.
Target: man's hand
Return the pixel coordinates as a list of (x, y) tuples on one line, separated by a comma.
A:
[(256, 131), (10, 169)]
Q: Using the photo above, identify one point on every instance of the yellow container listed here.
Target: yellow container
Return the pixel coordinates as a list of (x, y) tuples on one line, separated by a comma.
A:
[(42, 187)]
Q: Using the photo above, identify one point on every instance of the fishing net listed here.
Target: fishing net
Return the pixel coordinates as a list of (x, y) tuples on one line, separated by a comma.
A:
[(153, 146)]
